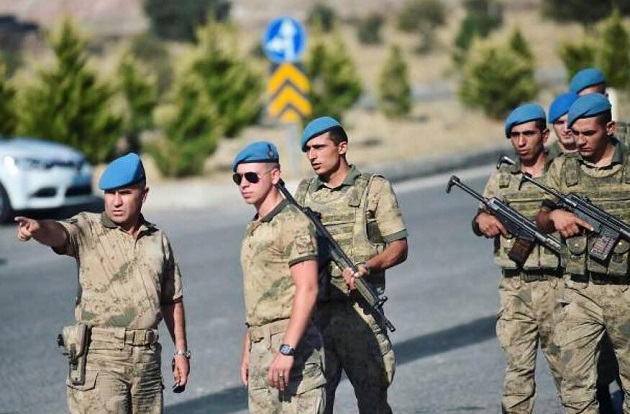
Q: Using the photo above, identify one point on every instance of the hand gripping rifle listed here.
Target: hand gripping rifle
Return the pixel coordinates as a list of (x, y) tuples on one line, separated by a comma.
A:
[(607, 228), (374, 302), (514, 222)]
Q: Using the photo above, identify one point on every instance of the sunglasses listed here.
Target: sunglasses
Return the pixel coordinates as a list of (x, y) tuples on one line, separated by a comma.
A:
[(251, 177)]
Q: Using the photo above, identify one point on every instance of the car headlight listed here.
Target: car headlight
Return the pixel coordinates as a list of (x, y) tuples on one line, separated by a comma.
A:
[(16, 164)]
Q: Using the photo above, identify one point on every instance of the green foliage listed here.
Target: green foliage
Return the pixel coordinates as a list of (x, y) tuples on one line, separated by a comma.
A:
[(482, 17), (178, 20), (422, 17), (496, 79), (585, 12), (394, 87), (69, 104), (335, 83), (152, 52), (139, 89), (369, 29), (518, 44), (191, 130), (613, 55), (8, 116), (228, 81), (322, 16), (577, 55)]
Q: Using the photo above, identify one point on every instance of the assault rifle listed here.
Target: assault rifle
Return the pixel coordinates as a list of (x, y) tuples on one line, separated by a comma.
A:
[(607, 228), (514, 222), (374, 302)]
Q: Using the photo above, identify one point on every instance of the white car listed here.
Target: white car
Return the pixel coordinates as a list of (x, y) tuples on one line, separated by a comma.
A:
[(37, 174)]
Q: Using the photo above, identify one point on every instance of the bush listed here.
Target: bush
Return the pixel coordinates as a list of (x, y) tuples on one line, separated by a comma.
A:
[(394, 87), (152, 52), (518, 44), (8, 116), (585, 12), (423, 17), (577, 56), (69, 104), (369, 29), (323, 17), (482, 17), (613, 55), (335, 83), (496, 79)]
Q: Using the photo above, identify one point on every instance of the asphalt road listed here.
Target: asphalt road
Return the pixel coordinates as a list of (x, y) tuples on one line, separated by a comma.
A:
[(443, 301)]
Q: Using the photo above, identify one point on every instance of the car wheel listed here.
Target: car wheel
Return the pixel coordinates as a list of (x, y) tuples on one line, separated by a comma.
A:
[(6, 212)]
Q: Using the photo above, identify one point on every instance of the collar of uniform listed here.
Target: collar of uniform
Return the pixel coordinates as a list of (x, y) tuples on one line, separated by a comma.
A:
[(352, 176), (274, 212), (617, 158), (107, 222)]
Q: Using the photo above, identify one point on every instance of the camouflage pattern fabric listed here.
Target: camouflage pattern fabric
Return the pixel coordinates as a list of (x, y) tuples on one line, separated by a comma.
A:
[(529, 299), (362, 222), (271, 245), (596, 293), (123, 281)]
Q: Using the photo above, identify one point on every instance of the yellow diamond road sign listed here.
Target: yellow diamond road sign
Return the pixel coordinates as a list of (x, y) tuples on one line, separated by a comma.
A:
[(287, 89)]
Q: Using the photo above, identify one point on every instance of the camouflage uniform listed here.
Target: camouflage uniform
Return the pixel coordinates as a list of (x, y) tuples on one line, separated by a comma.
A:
[(362, 215), (271, 245), (529, 298), (597, 300), (123, 283)]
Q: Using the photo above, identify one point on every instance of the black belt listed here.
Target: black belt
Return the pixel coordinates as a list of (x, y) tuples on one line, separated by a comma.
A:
[(532, 275), (601, 278)]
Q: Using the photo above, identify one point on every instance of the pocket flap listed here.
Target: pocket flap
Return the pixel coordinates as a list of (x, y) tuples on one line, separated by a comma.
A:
[(577, 245), (90, 382)]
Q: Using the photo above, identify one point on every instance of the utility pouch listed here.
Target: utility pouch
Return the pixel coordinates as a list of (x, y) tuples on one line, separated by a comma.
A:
[(520, 251), (75, 340)]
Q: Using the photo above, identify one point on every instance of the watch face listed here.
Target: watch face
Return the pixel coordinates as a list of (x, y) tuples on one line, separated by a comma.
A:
[(286, 350)]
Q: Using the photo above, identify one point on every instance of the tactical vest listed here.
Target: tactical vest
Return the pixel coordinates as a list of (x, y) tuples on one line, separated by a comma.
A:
[(622, 132), (345, 215), (612, 194), (526, 201)]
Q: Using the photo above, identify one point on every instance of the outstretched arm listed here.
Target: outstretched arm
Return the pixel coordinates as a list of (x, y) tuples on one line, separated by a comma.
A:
[(47, 232)]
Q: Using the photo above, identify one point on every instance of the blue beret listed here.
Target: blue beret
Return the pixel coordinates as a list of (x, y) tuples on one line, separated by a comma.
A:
[(317, 127), (560, 106), (524, 113), (260, 151), (585, 78), (588, 106), (121, 172)]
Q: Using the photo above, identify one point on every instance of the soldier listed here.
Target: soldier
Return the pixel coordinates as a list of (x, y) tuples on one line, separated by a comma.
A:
[(588, 80), (282, 360), (128, 280), (528, 292), (362, 214), (596, 290), (558, 119)]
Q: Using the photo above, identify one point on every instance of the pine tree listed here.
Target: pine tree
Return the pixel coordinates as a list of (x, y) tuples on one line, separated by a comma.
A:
[(613, 54), (394, 88), (496, 79), (335, 84), (69, 104), (577, 55), (234, 87), (518, 44), (8, 117), (139, 88)]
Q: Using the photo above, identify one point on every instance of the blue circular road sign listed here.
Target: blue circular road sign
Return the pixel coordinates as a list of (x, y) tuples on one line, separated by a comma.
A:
[(284, 40)]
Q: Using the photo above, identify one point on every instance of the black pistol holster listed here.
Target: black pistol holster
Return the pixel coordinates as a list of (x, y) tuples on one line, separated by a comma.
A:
[(75, 340)]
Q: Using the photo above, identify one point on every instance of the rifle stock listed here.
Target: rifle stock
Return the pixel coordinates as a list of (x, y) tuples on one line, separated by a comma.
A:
[(374, 302)]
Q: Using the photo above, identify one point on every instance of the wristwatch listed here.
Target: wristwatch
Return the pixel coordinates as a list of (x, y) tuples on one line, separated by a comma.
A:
[(183, 352), (286, 349)]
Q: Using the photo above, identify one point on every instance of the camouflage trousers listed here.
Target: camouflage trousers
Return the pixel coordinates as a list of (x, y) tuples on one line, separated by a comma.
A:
[(525, 320), (592, 310), (305, 391), (127, 380), (355, 343)]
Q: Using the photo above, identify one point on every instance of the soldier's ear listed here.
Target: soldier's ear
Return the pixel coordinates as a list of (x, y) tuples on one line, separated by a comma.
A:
[(342, 147), (611, 128)]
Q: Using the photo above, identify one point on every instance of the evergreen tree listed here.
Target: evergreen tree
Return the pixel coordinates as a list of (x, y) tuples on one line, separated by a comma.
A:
[(69, 104), (8, 117), (422, 17), (482, 17), (139, 88), (613, 54), (369, 29), (394, 87), (577, 56), (323, 17), (518, 44), (496, 79), (234, 87), (585, 12), (335, 84)]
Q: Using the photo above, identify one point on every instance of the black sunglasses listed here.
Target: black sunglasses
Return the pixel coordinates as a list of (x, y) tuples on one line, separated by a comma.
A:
[(251, 177)]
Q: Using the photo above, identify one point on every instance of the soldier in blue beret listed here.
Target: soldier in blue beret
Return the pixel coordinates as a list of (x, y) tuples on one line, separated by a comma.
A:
[(595, 288), (528, 291), (589, 80), (282, 360), (129, 281), (362, 213), (558, 111)]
